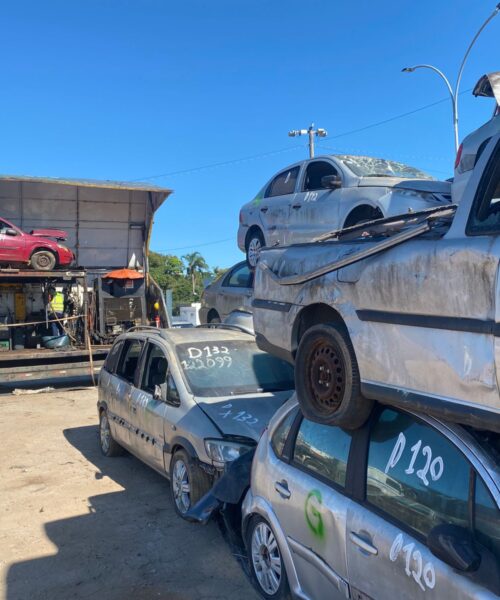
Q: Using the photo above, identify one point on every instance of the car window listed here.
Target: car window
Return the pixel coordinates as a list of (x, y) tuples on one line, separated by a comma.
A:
[(485, 214), (315, 172), (284, 183), (130, 358), (281, 433), (241, 278), (324, 450), (155, 369), (113, 356), (487, 519), (415, 475)]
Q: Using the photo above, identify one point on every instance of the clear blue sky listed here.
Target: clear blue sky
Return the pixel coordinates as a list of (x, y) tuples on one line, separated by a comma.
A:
[(118, 89)]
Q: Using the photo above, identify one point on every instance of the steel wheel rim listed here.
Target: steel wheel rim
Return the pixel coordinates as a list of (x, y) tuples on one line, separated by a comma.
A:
[(181, 486), (254, 248), (105, 433), (266, 559), (326, 376), (43, 260)]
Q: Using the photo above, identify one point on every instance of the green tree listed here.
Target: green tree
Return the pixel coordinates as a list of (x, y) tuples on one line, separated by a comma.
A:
[(195, 264)]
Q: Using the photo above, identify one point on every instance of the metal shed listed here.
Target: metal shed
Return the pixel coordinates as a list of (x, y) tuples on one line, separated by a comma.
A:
[(108, 222)]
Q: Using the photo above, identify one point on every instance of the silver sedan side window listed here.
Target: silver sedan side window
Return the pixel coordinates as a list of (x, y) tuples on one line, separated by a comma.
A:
[(155, 369), (323, 450), (415, 475), (315, 172), (281, 433)]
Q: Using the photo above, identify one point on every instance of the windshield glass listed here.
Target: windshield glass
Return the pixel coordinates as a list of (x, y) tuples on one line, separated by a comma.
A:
[(367, 166), (232, 368)]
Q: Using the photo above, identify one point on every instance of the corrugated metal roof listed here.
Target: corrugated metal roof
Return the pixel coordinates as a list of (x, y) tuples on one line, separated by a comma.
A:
[(94, 183)]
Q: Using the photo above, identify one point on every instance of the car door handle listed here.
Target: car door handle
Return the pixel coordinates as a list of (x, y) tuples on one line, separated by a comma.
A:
[(363, 544), (282, 488), (296, 206), (264, 209)]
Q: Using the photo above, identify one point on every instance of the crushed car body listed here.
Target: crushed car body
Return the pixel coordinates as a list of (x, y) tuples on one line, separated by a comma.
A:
[(415, 324)]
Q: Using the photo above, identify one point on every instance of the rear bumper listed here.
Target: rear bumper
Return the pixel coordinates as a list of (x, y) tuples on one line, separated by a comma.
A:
[(242, 234)]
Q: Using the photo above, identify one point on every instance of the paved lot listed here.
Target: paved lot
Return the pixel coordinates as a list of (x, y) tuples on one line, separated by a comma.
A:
[(74, 524)]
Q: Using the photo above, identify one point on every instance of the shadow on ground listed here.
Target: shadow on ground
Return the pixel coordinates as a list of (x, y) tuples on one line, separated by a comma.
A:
[(127, 544)]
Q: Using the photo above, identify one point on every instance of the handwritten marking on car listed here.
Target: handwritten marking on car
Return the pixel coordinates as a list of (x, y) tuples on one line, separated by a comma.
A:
[(313, 509), (207, 351), (434, 466), (423, 571), (311, 197), (241, 416), (207, 363)]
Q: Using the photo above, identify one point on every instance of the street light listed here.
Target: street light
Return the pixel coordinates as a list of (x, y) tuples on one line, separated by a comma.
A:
[(311, 132), (454, 93)]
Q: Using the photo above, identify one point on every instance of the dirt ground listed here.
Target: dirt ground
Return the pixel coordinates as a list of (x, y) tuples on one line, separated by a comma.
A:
[(74, 524)]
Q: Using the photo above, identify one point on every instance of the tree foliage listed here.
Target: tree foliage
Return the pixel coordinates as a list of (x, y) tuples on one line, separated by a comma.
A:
[(184, 276)]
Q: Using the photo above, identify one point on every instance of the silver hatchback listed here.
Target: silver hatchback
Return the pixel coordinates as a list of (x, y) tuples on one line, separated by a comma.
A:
[(188, 401), (404, 507)]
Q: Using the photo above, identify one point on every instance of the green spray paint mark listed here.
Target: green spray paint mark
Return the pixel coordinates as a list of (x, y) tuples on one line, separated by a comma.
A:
[(313, 513)]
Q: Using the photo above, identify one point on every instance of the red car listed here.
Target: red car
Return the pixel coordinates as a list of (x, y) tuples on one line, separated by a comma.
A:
[(40, 248)]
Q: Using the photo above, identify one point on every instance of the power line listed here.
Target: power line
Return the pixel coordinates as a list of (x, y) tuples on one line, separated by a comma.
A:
[(231, 239)]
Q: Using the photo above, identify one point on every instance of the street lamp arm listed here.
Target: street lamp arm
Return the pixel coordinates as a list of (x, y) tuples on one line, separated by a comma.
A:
[(436, 70)]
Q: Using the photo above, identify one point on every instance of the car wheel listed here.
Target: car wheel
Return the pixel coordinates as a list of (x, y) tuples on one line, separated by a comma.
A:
[(265, 561), (327, 378), (254, 245), (43, 260), (109, 447), (214, 318), (188, 482)]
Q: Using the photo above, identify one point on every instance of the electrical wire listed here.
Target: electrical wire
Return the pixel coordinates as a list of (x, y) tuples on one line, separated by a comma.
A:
[(231, 239)]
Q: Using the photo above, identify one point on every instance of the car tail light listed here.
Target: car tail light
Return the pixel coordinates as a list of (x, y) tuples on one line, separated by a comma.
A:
[(459, 155), (241, 216)]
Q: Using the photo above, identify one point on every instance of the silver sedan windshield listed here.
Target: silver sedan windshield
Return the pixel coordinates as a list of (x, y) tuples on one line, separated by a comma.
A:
[(228, 368), (367, 166)]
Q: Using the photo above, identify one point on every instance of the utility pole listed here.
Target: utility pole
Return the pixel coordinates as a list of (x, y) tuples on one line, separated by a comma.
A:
[(311, 132)]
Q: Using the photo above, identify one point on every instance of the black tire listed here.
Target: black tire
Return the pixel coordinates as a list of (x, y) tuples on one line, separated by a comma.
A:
[(262, 563), (43, 260), (327, 378), (109, 447), (254, 243), (198, 481), (214, 317)]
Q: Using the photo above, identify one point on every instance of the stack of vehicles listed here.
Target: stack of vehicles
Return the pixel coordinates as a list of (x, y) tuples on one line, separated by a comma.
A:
[(380, 476)]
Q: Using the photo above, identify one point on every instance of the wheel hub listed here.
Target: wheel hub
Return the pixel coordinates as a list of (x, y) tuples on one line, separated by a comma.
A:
[(326, 376)]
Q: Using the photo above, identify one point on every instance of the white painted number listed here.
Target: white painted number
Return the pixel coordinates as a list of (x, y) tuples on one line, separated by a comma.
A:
[(414, 564), (434, 466), (241, 416)]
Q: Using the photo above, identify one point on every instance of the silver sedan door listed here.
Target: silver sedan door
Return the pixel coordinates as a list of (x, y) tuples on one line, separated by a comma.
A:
[(311, 507), (416, 481), (235, 291), (314, 210), (149, 407)]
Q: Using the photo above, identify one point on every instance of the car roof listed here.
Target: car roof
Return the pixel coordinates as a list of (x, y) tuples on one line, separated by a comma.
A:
[(191, 335)]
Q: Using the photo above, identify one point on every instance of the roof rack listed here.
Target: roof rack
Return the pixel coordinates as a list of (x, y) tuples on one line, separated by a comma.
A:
[(150, 328), (226, 326)]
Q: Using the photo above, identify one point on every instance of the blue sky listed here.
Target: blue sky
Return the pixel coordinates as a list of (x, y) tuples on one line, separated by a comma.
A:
[(117, 89)]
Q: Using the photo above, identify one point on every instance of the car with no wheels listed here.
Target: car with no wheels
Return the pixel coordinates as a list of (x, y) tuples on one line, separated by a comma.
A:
[(407, 506), (41, 249), (188, 401), (315, 196), (405, 311)]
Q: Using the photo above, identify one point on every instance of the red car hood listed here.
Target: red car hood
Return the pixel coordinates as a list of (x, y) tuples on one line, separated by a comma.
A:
[(58, 234)]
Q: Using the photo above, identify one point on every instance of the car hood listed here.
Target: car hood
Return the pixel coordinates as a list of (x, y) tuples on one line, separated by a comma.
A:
[(421, 185), (243, 416), (58, 234)]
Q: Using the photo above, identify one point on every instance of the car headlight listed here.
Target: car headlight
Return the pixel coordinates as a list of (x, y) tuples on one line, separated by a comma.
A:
[(224, 451)]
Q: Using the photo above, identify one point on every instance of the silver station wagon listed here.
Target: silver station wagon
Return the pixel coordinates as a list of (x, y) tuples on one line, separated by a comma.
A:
[(316, 196), (188, 401), (407, 506)]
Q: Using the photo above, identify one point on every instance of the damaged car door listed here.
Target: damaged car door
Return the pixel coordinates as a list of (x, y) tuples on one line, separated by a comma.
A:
[(149, 408)]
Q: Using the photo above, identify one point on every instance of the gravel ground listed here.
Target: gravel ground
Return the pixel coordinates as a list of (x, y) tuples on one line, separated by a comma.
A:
[(74, 524)]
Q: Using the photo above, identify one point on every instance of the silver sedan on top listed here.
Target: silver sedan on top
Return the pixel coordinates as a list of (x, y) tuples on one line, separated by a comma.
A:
[(406, 507), (316, 196)]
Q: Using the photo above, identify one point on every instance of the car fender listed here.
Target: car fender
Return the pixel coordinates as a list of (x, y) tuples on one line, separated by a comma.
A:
[(256, 505)]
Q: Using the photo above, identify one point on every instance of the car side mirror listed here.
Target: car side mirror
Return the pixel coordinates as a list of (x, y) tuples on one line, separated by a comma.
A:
[(160, 392), (173, 396), (10, 231), (331, 182), (455, 546)]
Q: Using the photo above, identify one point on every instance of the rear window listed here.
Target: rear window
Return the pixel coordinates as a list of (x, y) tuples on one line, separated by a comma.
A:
[(113, 356), (231, 368), (130, 360)]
